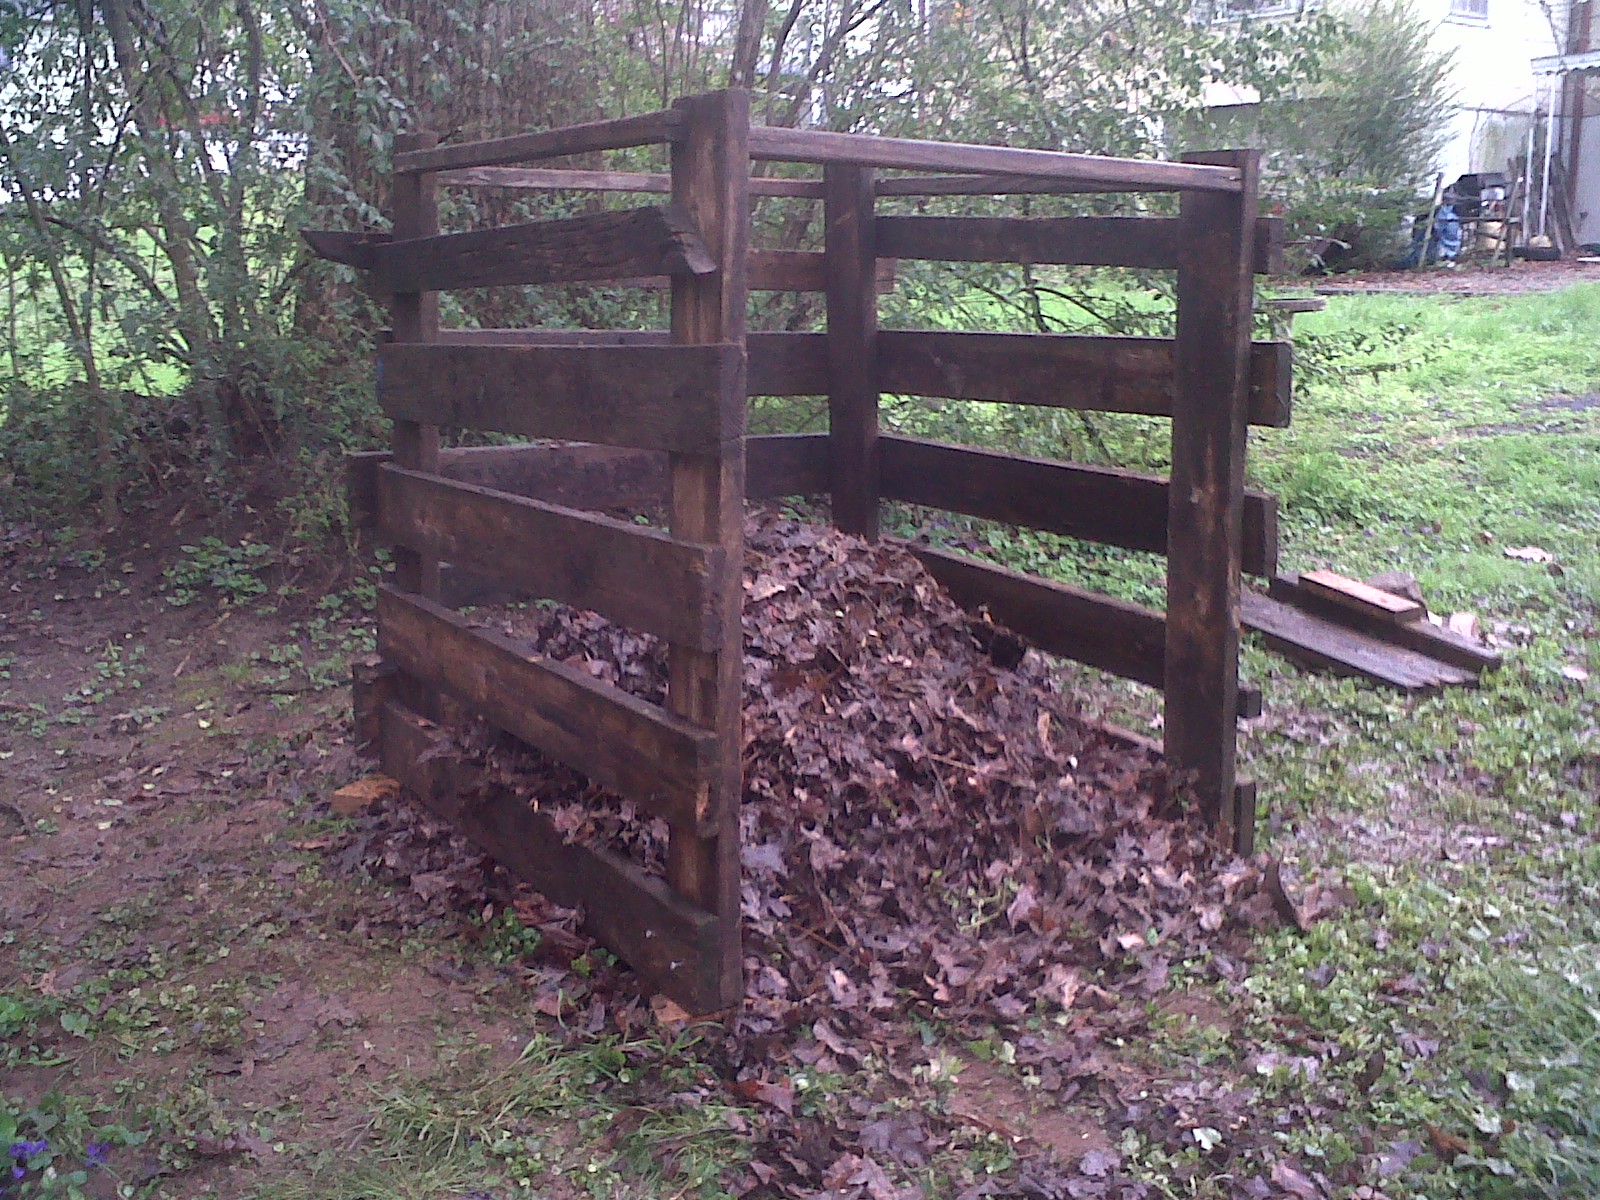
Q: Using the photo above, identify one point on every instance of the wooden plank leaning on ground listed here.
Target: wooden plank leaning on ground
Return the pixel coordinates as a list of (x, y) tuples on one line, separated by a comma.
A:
[(1099, 504), (664, 937), (1111, 635), (1063, 370), (681, 398), (1424, 637), (634, 748), (638, 577), (1148, 243), (611, 245)]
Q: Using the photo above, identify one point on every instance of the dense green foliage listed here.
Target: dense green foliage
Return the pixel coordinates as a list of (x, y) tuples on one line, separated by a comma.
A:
[(164, 321)]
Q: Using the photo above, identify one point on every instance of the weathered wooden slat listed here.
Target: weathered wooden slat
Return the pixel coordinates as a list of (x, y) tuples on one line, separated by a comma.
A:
[(1098, 504), (786, 464), (646, 129), (905, 154), (1353, 594), (1100, 631), (1149, 243), (602, 246), (1316, 641), (635, 576), (667, 940), (1113, 635), (685, 398), (788, 364), (580, 475), (780, 271), (544, 179), (1424, 637), (636, 749), (781, 364), (1099, 374)]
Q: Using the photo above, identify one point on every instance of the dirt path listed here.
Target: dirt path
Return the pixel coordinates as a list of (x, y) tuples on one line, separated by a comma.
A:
[(1468, 280), (173, 942)]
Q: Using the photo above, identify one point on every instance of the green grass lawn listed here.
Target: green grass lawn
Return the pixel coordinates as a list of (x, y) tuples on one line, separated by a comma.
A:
[(1437, 1034), (1464, 824)]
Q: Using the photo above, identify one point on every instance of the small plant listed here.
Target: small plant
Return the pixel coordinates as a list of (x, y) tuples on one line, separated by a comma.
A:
[(231, 571)]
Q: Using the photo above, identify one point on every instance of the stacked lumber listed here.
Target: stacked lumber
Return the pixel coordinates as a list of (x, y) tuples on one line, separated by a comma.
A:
[(1323, 619)]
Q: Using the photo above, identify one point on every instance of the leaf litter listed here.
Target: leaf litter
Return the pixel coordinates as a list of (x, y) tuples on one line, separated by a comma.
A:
[(930, 830)]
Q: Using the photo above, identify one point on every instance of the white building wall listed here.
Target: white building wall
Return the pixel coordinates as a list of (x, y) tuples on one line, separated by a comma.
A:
[(1494, 83)]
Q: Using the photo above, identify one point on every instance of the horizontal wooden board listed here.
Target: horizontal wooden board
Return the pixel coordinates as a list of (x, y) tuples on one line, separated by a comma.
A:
[(1100, 631), (1108, 174), (786, 464), (601, 246), (631, 747), (1098, 504), (1352, 593), (667, 940), (1060, 370), (646, 129), (580, 475), (1125, 639), (780, 271), (545, 179), (638, 577), (781, 364), (1149, 243), (683, 398)]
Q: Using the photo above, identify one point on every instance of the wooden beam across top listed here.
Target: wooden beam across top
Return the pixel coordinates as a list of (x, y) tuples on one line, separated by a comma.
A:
[(647, 129), (1107, 174)]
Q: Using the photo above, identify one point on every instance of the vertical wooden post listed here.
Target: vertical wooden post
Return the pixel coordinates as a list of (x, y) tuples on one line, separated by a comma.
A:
[(414, 317), (710, 180), (851, 261), (1215, 290)]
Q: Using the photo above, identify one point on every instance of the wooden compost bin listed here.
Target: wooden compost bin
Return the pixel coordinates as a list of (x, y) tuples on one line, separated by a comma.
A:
[(659, 415)]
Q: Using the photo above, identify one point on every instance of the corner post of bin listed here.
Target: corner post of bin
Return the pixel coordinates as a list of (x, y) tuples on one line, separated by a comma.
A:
[(852, 302), (710, 182), (414, 317), (1206, 495)]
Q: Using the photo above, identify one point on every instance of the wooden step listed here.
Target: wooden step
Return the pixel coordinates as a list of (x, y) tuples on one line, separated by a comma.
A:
[(1353, 594)]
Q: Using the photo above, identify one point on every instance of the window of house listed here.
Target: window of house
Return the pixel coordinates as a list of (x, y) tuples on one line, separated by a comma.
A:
[(1470, 10), (1235, 10)]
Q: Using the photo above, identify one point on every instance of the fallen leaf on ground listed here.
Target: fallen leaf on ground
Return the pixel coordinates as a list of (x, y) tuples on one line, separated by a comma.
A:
[(355, 798), (1537, 554)]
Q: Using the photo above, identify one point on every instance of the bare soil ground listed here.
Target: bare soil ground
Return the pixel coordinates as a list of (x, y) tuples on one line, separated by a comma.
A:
[(211, 955), (1468, 279)]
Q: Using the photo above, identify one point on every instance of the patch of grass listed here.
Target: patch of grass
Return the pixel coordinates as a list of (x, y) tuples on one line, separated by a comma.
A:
[(1465, 823), (599, 1117)]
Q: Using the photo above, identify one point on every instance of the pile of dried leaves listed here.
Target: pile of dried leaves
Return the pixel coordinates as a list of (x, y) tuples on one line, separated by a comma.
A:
[(929, 828)]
